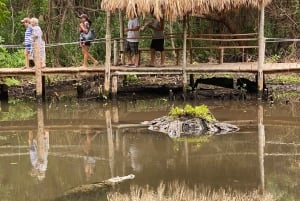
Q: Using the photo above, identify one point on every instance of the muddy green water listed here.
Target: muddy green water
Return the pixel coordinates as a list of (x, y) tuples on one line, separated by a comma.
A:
[(47, 150)]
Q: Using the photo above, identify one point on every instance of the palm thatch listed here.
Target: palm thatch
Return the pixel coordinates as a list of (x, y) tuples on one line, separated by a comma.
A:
[(177, 8)]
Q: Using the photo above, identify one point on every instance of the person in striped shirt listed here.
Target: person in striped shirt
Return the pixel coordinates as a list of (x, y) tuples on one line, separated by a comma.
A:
[(27, 40)]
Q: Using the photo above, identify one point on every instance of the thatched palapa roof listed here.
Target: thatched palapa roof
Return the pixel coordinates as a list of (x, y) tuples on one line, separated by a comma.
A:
[(177, 8)]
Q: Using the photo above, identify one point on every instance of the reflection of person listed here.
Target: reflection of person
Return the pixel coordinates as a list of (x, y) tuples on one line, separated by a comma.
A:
[(84, 27), (27, 40), (132, 42), (37, 37), (89, 160), (38, 151), (157, 43)]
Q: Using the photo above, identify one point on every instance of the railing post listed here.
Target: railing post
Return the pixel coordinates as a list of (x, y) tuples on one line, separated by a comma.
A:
[(184, 65), (122, 48), (261, 54), (108, 54), (38, 71), (221, 58), (116, 53)]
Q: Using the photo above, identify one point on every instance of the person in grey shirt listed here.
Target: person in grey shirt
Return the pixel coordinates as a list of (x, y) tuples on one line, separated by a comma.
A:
[(132, 42)]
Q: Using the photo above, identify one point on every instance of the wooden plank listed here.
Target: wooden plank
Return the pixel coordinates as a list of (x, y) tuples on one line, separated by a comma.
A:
[(175, 69)]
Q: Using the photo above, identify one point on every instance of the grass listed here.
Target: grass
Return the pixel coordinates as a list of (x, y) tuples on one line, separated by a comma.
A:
[(189, 111), (181, 192), (286, 79)]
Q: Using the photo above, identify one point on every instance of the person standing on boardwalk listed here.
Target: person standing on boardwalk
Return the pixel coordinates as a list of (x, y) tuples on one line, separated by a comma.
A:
[(27, 41), (132, 42), (37, 37), (157, 43), (84, 27)]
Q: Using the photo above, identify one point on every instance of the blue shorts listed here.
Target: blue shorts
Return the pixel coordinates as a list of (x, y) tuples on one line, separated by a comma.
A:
[(28, 47)]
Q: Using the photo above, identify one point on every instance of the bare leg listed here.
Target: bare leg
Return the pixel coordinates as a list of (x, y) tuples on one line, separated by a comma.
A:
[(92, 58), (85, 55), (26, 53), (152, 57), (136, 59), (162, 58), (129, 58)]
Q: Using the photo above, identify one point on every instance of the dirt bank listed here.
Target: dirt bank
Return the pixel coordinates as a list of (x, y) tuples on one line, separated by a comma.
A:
[(285, 87)]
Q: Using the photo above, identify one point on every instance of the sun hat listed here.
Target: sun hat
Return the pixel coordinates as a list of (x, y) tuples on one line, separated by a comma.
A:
[(84, 16), (26, 19)]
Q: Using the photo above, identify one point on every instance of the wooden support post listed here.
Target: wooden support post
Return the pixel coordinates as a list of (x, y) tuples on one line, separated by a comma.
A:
[(261, 147), (192, 80), (38, 71), (221, 58), (3, 92), (44, 88), (108, 54), (122, 46), (114, 88), (261, 51), (184, 65), (116, 53), (174, 52), (4, 98), (177, 57), (190, 41)]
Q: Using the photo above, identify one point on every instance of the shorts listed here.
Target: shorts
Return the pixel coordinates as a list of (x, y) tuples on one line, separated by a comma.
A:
[(28, 47), (132, 47), (157, 44)]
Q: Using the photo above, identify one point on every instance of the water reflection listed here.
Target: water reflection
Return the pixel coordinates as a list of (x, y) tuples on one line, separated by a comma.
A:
[(84, 143), (261, 147), (89, 160), (38, 152)]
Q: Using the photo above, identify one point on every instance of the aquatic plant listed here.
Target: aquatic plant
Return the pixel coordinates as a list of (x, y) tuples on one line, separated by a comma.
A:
[(181, 192), (189, 111)]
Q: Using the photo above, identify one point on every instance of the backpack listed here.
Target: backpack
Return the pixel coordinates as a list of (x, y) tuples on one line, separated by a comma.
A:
[(90, 35)]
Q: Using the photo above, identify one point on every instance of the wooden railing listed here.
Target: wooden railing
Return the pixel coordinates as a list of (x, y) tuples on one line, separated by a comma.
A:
[(213, 38)]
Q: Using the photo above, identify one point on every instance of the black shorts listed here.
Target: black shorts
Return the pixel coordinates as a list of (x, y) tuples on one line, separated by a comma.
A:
[(157, 44), (132, 47)]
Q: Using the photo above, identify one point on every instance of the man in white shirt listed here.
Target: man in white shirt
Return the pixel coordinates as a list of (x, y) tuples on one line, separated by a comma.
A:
[(132, 42)]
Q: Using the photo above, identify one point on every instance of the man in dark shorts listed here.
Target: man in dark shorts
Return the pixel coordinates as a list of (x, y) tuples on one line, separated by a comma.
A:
[(157, 43)]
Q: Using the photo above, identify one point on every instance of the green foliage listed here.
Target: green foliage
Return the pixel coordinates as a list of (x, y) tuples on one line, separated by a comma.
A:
[(132, 79), (273, 59), (189, 111), (17, 111), (4, 12), (11, 60), (287, 79), (11, 81)]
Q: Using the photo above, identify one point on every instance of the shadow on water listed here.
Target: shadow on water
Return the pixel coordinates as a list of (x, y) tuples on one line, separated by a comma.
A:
[(58, 147)]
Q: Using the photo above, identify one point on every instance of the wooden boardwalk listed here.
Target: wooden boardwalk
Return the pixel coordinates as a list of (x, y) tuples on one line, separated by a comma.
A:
[(168, 70), (117, 71)]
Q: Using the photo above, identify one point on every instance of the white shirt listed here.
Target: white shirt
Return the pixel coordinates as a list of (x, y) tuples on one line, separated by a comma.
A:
[(133, 36)]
